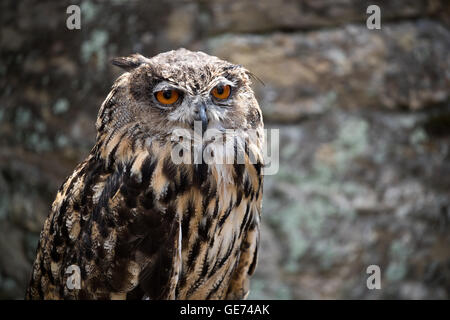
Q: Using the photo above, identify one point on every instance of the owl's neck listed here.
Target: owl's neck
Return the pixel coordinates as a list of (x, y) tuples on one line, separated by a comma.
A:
[(222, 157)]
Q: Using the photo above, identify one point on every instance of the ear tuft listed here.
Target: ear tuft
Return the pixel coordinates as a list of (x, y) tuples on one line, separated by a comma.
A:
[(255, 77), (131, 62)]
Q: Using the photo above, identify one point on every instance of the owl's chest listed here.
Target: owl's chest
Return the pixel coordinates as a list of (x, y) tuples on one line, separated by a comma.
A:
[(212, 232)]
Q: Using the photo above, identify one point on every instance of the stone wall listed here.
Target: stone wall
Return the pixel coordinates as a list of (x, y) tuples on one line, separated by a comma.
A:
[(364, 119)]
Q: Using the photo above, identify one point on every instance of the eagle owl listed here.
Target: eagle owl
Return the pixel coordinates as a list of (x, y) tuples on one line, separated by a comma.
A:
[(136, 224)]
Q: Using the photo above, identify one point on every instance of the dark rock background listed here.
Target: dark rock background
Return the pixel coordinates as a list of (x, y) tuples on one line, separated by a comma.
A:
[(364, 119)]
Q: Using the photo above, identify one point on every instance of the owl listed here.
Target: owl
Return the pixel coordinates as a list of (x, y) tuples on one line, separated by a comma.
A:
[(143, 217)]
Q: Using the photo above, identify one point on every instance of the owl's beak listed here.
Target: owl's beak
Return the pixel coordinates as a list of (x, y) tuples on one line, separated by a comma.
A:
[(200, 115)]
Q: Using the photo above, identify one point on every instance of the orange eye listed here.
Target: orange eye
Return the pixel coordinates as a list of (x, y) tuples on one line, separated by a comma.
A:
[(221, 92), (168, 96)]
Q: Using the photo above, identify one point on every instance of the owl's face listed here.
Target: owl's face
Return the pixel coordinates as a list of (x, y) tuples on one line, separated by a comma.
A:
[(176, 88)]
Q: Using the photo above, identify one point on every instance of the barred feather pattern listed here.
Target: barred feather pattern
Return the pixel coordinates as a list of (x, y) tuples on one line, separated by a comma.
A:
[(139, 225)]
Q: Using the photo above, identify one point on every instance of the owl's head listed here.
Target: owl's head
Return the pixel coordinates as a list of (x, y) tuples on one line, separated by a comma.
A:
[(176, 88)]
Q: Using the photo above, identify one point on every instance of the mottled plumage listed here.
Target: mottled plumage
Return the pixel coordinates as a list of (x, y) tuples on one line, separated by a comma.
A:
[(139, 225)]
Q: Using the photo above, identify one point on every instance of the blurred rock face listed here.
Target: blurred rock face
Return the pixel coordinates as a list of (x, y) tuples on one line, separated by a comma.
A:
[(364, 120)]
